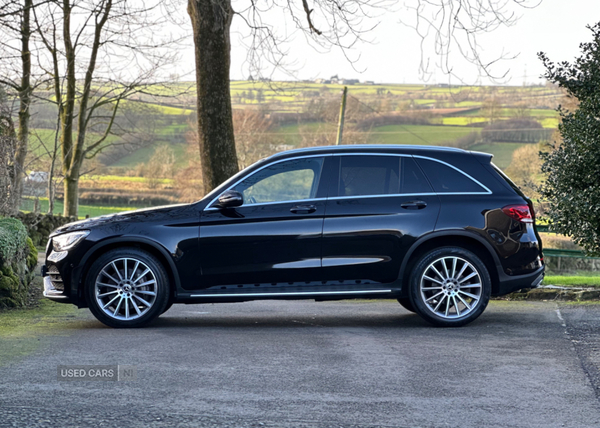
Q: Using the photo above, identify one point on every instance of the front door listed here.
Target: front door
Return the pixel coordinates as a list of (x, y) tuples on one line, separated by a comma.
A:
[(274, 238)]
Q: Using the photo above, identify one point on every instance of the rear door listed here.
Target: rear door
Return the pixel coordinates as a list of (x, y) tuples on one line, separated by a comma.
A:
[(377, 208)]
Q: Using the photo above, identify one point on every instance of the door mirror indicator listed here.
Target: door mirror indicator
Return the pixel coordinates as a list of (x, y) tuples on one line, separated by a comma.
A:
[(230, 199)]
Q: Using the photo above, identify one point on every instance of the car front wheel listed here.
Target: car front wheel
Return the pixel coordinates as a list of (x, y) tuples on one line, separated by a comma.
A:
[(450, 287), (127, 287)]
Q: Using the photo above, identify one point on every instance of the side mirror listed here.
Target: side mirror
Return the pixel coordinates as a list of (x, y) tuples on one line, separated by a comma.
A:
[(230, 199)]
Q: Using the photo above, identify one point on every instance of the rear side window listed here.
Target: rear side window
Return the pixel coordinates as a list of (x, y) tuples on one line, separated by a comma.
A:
[(369, 175), (445, 179)]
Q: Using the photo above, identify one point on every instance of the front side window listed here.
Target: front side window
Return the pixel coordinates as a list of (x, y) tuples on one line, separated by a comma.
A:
[(292, 180), (369, 175)]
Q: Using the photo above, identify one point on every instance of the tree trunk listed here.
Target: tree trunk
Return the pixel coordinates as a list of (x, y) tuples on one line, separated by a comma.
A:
[(71, 182), (71, 190), (24, 103), (211, 22)]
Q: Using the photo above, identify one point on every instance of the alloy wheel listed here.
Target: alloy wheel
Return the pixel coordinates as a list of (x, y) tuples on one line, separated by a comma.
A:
[(450, 287), (125, 289)]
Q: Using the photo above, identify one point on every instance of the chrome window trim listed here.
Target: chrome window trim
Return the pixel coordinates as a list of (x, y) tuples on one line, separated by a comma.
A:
[(259, 204), (209, 208), (486, 192), (396, 195)]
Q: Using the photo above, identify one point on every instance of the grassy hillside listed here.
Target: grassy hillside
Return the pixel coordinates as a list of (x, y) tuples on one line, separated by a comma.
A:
[(417, 134), (502, 152)]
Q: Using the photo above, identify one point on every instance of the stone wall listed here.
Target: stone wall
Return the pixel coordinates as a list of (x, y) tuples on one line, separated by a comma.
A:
[(39, 226), (18, 259)]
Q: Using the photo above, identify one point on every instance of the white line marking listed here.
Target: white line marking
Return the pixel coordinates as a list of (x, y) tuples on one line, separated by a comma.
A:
[(560, 317)]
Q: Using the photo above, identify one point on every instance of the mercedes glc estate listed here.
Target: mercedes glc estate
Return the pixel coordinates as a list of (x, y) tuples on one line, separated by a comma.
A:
[(439, 229)]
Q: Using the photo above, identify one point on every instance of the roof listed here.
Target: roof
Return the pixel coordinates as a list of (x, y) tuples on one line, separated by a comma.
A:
[(370, 147)]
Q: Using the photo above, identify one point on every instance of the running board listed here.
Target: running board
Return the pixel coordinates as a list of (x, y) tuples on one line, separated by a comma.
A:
[(292, 293)]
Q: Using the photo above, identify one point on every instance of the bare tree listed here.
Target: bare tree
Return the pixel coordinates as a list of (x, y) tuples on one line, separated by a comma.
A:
[(252, 137), (452, 29), (160, 166), (8, 143), (98, 53), (15, 20)]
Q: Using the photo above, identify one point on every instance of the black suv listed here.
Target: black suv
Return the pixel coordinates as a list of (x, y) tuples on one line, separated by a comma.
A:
[(439, 229)]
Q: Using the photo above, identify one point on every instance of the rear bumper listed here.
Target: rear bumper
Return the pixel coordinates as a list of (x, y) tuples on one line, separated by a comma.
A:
[(508, 284)]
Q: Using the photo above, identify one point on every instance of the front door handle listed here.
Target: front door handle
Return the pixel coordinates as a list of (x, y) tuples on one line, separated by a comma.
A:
[(303, 209), (414, 205)]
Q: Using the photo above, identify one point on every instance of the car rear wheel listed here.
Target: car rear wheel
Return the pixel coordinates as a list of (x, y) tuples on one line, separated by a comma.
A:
[(450, 287), (127, 287)]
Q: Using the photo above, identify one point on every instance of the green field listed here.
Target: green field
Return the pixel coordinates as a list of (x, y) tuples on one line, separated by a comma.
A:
[(502, 152), (90, 210), (293, 134), (121, 178), (417, 134), (461, 120), (388, 134), (570, 280), (42, 140), (144, 155)]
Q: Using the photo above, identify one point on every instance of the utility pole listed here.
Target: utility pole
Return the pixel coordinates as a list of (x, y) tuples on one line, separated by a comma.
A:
[(342, 115)]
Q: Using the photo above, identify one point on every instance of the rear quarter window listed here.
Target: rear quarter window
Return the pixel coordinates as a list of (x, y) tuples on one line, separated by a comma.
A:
[(445, 179)]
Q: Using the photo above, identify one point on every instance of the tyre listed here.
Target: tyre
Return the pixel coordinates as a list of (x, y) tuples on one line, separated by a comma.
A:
[(127, 287), (167, 307), (406, 304), (450, 287)]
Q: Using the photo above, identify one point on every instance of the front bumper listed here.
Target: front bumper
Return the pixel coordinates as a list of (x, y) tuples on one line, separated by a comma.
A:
[(52, 293)]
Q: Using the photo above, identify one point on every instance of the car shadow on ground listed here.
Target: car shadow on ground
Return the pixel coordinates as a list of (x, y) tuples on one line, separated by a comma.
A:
[(405, 321)]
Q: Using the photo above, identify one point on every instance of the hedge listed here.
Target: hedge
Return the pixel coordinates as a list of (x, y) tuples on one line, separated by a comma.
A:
[(18, 258)]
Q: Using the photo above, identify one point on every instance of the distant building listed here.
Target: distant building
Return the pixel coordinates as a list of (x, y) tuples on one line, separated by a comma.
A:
[(37, 177), (35, 184)]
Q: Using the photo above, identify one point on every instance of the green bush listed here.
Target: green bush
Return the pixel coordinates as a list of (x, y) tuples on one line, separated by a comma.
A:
[(18, 258), (572, 186), (13, 238)]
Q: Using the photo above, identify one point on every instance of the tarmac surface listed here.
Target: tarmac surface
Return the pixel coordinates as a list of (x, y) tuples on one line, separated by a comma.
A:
[(317, 364)]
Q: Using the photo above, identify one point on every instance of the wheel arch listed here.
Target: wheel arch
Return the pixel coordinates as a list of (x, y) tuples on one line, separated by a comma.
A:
[(455, 238), (148, 245)]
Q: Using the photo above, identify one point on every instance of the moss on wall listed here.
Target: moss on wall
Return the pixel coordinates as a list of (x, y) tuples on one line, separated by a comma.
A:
[(18, 258)]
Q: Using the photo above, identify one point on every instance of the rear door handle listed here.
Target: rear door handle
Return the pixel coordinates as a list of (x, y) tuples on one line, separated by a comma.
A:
[(303, 209), (414, 205)]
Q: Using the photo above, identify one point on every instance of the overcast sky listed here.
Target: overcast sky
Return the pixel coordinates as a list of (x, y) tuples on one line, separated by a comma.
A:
[(555, 27)]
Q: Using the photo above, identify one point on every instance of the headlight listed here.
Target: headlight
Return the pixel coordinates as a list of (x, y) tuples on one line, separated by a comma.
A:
[(68, 240)]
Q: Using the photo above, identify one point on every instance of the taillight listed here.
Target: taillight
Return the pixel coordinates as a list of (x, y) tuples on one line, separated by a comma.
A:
[(518, 212)]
